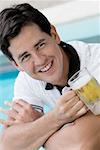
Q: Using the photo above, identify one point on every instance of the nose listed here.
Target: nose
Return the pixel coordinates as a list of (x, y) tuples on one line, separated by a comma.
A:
[(38, 59)]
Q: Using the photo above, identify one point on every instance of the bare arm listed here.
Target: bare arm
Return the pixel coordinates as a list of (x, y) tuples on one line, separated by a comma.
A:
[(32, 135), (83, 135)]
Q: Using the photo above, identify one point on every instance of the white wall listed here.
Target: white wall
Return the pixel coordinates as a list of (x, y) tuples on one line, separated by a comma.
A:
[(72, 10)]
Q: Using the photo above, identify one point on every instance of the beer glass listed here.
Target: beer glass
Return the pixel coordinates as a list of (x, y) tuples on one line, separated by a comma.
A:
[(87, 88)]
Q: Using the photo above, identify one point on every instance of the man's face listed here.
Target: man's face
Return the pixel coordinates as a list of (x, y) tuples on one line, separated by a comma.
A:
[(39, 55)]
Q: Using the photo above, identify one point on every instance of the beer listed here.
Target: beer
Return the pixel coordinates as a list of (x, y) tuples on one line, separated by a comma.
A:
[(87, 88), (90, 92)]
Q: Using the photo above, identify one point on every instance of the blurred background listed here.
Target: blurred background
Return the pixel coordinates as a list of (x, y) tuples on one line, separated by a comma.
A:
[(74, 20)]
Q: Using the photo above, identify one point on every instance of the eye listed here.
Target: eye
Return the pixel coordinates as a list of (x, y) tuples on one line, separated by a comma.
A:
[(41, 45), (25, 58)]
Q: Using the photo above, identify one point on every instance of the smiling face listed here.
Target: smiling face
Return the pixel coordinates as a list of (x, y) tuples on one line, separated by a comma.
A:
[(39, 55)]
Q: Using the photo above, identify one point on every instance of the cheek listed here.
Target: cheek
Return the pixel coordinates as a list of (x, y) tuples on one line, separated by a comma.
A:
[(59, 57), (27, 67)]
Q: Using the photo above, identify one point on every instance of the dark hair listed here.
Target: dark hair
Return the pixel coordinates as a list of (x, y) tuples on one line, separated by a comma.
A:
[(14, 18)]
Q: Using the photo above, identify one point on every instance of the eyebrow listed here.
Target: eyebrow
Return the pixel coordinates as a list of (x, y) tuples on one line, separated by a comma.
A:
[(41, 40), (21, 55)]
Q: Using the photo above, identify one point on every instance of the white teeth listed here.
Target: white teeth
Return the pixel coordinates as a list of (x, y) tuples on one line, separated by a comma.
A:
[(46, 68)]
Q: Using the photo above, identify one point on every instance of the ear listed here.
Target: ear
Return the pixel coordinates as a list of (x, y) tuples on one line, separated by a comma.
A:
[(54, 34), (16, 66)]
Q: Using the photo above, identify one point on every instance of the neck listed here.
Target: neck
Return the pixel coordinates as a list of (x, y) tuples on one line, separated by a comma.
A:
[(64, 78)]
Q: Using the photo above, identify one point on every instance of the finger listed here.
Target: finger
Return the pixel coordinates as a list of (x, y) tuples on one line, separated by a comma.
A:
[(22, 103), (68, 105), (17, 107), (2, 122), (72, 112), (10, 119), (26, 106), (10, 113), (6, 123), (7, 103), (72, 102), (82, 111), (66, 97)]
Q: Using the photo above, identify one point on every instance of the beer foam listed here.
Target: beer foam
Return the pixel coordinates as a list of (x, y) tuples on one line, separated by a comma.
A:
[(77, 84)]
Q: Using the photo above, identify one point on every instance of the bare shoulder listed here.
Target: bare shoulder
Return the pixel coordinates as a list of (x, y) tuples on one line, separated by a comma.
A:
[(84, 135)]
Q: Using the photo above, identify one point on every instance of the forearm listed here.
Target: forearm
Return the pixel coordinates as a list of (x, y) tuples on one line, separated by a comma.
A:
[(84, 135), (29, 136)]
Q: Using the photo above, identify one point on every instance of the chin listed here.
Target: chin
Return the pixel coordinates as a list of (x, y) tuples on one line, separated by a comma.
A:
[(53, 79), (54, 82)]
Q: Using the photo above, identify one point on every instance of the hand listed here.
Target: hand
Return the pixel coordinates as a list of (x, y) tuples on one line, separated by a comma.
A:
[(69, 107), (20, 112)]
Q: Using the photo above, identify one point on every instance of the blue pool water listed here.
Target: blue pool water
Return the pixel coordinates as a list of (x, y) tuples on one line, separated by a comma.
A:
[(6, 88)]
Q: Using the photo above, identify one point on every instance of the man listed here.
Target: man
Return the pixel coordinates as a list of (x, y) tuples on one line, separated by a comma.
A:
[(45, 63)]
